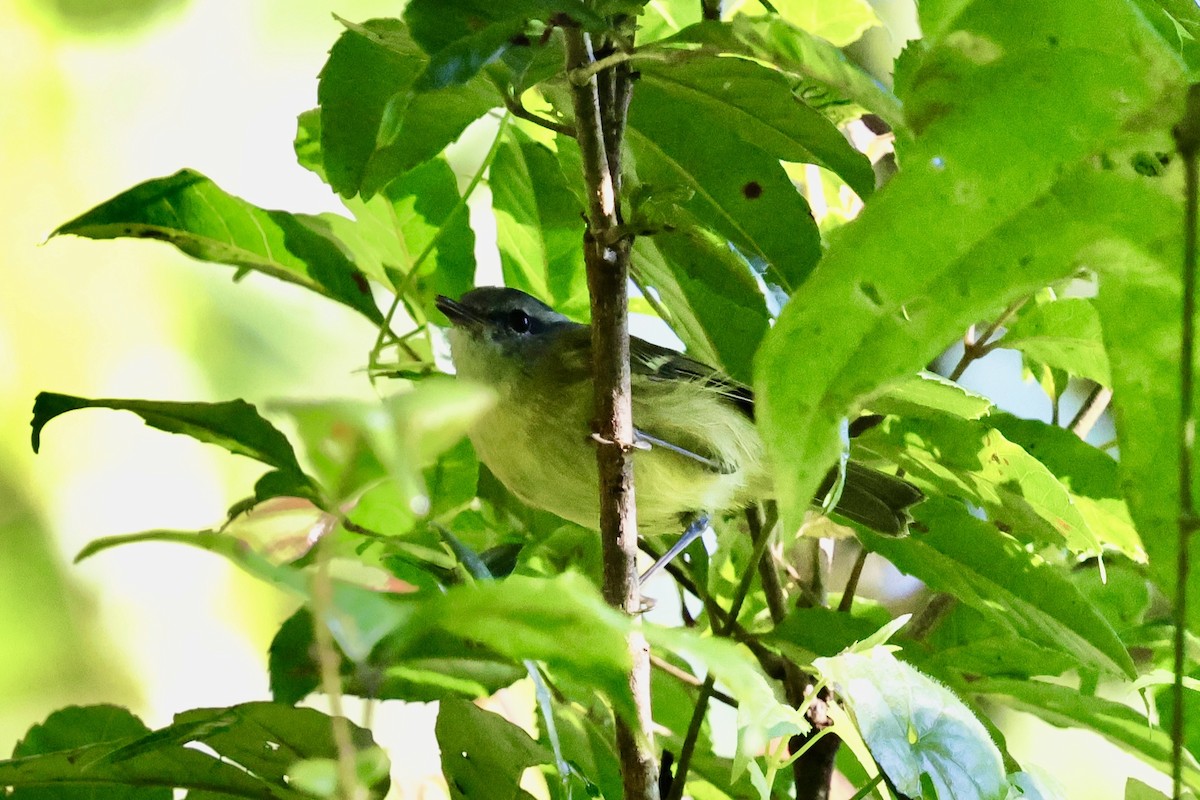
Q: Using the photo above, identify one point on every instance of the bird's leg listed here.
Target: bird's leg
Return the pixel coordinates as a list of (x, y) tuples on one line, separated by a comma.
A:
[(696, 527)]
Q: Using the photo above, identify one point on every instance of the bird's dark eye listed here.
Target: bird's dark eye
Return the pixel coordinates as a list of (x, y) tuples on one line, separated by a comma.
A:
[(519, 321)]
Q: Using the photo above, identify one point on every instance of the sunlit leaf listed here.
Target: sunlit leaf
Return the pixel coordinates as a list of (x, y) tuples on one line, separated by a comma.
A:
[(953, 552), (1064, 334), (1022, 214), (841, 22), (539, 225), (918, 730), (194, 214)]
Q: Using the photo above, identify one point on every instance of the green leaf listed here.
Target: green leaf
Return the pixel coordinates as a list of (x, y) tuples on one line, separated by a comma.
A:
[(374, 125), (819, 631), (918, 731), (234, 425), (539, 225), (831, 81), (1068, 708), (200, 219), (1063, 334), (840, 22), (738, 191), (1024, 201), (358, 619), (993, 573), (759, 105), (919, 395), (972, 460), (715, 306), (254, 744), (483, 754), (1090, 475)]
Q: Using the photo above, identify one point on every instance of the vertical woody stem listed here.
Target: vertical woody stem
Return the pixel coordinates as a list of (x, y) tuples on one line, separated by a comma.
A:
[(599, 125)]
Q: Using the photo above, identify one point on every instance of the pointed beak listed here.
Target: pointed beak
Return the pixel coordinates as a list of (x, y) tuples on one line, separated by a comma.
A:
[(456, 312)]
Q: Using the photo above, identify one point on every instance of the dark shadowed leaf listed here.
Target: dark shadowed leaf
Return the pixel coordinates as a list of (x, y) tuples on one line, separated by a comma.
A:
[(194, 214), (483, 754), (234, 425), (374, 125), (254, 745)]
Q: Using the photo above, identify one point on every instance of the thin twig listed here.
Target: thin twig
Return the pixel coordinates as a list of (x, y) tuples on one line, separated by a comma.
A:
[(706, 690), (925, 620), (328, 661), (1187, 139), (690, 679), (847, 601), (1091, 411), (978, 348), (518, 110)]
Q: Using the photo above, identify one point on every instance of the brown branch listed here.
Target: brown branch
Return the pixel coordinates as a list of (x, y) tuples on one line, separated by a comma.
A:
[(606, 255), (518, 110), (1090, 412), (978, 348)]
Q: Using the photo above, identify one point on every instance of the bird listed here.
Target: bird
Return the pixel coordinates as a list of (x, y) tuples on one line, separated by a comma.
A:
[(697, 451)]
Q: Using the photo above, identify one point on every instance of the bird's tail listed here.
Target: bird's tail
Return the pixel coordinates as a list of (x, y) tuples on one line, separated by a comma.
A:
[(875, 499)]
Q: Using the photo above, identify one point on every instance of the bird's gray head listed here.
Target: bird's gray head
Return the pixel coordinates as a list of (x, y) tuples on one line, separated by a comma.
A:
[(493, 324)]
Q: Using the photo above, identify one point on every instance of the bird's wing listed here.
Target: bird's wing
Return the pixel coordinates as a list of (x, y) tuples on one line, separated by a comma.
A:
[(660, 363)]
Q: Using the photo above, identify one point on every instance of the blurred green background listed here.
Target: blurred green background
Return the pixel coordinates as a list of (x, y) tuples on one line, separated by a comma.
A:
[(96, 96)]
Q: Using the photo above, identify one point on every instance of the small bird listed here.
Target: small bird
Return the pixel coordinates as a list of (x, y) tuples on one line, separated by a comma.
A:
[(698, 451)]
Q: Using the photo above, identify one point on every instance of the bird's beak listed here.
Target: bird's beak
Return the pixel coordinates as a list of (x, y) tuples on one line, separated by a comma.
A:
[(456, 312)]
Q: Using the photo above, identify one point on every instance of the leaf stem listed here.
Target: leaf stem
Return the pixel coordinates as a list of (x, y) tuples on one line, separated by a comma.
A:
[(1187, 140), (847, 601)]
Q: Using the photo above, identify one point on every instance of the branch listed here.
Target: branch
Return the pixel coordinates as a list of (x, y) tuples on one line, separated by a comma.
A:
[(1187, 139), (978, 348), (1090, 412), (606, 255), (518, 110)]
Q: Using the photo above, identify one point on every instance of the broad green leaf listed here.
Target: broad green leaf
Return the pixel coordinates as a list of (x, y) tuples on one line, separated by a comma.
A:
[(1023, 205), (953, 552), (918, 395), (759, 105), (1000, 656), (75, 727), (1064, 334), (1089, 474), (1068, 708), (709, 290), (374, 125), (539, 225), (194, 214), (358, 619), (483, 754), (234, 425), (818, 631), (972, 460), (737, 191), (251, 747), (918, 731), (840, 22), (1136, 790), (831, 81)]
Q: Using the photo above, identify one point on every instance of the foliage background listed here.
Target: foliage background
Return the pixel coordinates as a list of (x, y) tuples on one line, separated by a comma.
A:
[(89, 105)]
